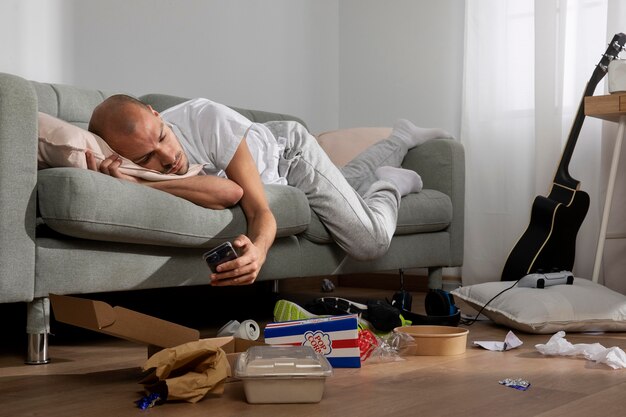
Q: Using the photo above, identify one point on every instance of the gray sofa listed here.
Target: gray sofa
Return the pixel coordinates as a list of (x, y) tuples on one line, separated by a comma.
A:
[(73, 231)]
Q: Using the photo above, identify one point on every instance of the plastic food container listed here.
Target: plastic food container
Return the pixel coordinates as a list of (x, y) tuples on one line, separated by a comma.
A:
[(437, 340), (282, 374)]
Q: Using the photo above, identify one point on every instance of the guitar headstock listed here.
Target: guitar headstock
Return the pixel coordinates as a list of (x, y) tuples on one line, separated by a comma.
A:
[(615, 47), (562, 176)]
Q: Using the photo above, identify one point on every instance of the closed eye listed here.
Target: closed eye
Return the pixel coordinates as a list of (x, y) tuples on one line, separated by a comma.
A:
[(145, 159)]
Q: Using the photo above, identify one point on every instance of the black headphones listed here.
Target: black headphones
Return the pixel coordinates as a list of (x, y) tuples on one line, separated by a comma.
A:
[(440, 310)]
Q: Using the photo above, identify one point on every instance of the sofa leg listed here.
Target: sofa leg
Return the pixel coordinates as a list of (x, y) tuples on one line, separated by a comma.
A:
[(37, 328), (37, 353), (435, 280)]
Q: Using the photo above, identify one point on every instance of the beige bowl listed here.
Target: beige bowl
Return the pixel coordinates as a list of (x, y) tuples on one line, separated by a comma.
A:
[(436, 340)]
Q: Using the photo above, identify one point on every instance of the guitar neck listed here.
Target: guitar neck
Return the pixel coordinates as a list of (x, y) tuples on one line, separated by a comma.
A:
[(562, 176)]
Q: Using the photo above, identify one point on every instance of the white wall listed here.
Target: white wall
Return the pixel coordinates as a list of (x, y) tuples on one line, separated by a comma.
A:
[(278, 55), (36, 39), (335, 63), (401, 58), (264, 55)]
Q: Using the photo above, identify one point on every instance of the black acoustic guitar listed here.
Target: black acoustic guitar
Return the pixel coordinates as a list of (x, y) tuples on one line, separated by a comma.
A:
[(549, 242)]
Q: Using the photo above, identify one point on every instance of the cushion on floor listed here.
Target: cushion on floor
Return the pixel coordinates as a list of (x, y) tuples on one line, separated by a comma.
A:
[(581, 307)]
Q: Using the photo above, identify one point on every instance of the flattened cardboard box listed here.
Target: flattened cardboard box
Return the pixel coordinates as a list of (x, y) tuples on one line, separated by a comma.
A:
[(136, 327)]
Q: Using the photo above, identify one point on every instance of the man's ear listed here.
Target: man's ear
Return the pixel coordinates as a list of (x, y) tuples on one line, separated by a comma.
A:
[(156, 113)]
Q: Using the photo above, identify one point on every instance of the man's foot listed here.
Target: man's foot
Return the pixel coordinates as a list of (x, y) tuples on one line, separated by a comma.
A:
[(406, 181), (413, 135)]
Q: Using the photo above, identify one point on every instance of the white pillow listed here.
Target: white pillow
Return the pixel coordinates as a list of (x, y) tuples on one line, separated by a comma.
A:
[(61, 144), (581, 307), (344, 144)]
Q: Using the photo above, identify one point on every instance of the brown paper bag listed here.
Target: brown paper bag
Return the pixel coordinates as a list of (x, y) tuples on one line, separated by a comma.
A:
[(188, 372)]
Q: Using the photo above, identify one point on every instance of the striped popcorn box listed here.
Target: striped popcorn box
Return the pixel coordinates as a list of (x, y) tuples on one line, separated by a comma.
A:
[(335, 337)]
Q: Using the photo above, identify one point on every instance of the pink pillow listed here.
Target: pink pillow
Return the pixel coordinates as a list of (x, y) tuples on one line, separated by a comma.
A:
[(61, 144), (344, 144)]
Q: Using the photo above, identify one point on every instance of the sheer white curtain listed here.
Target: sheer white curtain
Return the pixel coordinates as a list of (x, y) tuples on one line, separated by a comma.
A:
[(526, 66)]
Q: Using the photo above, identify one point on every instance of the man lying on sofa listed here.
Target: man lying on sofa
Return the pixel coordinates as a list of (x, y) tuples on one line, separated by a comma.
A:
[(358, 204)]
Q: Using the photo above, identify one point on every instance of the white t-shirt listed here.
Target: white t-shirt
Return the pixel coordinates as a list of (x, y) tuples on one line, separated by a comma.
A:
[(210, 133)]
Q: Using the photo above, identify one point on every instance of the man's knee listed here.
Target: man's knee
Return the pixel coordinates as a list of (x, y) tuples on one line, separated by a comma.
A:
[(368, 249)]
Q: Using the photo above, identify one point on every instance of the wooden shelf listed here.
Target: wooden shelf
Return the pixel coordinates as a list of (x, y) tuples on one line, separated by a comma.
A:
[(610, 107)]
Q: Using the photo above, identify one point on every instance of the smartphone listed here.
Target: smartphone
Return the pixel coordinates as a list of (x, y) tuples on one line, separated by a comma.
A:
[(220, 254)]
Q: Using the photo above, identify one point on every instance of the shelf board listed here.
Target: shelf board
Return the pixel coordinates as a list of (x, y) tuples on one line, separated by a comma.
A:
[(610, 107)]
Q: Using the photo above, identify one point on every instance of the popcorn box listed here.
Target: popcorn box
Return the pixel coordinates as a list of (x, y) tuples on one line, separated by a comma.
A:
[(335, 337)]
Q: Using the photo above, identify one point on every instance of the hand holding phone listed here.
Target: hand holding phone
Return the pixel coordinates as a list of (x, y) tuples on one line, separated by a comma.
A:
[(220, 254)]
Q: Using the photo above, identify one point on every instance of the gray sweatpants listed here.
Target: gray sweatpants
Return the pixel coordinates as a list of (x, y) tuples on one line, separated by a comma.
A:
[(359, 211)]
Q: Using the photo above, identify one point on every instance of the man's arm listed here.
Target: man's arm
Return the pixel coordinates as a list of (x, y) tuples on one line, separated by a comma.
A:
[(204, 190), (261, 223)]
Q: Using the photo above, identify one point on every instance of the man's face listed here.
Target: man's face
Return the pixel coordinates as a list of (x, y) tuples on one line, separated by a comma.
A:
[(152, 145)]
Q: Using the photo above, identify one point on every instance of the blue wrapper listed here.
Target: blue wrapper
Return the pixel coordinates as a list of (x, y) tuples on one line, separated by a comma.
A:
[(148, 401), (517, 383)]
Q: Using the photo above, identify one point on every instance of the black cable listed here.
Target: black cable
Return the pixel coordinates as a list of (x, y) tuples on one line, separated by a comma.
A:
[(472, 321)]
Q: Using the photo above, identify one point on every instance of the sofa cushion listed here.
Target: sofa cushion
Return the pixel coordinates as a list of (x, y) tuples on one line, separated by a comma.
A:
[(91, 205), (344, 144), (426, 211)]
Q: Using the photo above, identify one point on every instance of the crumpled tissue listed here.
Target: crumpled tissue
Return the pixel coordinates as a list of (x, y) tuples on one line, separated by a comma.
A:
[(558, 345), (511, 341)]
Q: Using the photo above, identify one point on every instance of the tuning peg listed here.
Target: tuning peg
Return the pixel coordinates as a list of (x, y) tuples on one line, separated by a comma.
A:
[(619, 47), (603, 67)]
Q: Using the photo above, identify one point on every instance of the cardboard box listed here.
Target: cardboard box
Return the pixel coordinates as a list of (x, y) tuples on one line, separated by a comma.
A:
[(233, 346), (120, 322), (136, 327), (335, 337)]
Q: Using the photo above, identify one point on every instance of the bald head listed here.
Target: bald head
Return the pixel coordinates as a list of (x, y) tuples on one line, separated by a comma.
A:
[(117, 116)]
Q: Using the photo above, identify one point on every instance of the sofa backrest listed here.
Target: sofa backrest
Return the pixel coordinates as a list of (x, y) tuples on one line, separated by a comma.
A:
[(72, 104), (160, 102), (75, 105)]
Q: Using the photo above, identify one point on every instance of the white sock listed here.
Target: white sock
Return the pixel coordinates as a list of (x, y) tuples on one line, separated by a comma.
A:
[(406, 180), (413, 135)]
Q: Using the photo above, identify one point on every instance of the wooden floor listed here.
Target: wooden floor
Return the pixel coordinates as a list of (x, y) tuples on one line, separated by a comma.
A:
[(98, 376)]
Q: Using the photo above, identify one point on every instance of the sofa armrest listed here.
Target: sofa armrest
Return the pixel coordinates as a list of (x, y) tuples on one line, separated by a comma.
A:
[(441, 164), (18, 178)]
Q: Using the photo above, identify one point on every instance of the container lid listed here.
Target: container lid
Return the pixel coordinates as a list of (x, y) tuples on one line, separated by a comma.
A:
[(282, 362)]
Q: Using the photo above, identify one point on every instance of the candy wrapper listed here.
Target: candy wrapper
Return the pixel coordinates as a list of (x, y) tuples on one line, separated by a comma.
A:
[(149, 401), (517, 383), (187, 372), (368, 342), (387, 348)]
